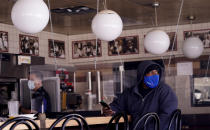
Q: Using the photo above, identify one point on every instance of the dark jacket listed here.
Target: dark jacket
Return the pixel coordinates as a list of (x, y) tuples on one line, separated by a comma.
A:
[(38, 97), (161, 100)]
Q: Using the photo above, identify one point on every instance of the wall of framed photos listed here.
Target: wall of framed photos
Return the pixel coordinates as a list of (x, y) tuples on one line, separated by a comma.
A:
[(134, 39), (39, 44), (81, 49)]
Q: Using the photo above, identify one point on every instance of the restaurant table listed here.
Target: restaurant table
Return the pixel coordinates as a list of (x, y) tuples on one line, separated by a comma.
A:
[(92, 121)]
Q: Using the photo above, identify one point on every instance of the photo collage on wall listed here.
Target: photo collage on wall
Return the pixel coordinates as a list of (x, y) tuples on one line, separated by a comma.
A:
[(56, 49), (86, 49), (204, 36), (124, 46), (29, 45), (127, 45), (4, 45)]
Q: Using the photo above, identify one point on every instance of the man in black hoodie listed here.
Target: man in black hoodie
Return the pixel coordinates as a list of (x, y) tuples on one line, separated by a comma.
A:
[(150, 94)]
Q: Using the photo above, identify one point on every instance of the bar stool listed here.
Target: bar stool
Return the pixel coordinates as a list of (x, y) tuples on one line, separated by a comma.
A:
[(28, 122), (146, 118), (78, 118), (176, 116), (117, 117)]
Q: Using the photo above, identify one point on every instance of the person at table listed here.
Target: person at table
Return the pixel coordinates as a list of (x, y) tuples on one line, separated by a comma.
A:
[(150, 94)]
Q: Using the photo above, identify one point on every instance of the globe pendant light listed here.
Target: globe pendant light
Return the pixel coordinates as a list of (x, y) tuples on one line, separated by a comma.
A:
[(107, 25), (156, 42), (30, 16), (193, 47)]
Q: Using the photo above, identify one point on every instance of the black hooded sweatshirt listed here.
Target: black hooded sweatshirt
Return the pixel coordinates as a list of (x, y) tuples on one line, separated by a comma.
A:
[(161, 100)]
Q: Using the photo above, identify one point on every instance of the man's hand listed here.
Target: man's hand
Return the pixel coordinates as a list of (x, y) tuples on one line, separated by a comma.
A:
[(107, 111)]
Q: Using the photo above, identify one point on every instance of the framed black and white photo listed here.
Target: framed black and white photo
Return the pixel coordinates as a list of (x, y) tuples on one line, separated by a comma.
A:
[(29, 45), (124, 46), (200, 92), (4, 45), (86, 49), (57, 50), (204, 35), (171, 37), (173, 44)]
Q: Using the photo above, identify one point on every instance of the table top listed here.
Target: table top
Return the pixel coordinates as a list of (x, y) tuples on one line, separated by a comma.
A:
[(90, 121)]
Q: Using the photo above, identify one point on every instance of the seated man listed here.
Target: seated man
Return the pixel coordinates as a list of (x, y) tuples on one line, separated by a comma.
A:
[(40, 100), (150, 94)]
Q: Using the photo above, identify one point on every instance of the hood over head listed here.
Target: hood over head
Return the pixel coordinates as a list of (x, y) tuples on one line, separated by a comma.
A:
[(145, 66)]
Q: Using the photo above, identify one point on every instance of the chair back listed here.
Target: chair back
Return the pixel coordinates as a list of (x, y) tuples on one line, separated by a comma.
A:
[(28, 122), (116, 117), (78, 118), (175, 118), (147, 118)]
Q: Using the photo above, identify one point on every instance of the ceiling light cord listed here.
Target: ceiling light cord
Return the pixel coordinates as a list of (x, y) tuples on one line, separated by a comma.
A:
[(51, 28), (96, 51), (118, 54), (175, 35), (191, 24), (207, 68), (156, 21), (105, 5)]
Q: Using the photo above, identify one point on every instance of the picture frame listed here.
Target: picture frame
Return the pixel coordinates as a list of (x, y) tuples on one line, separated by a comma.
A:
[(58, 50), (86, 49), (29, 45), (4, 43), (124, 46), (200, 91), (171, 37), (203, 35)]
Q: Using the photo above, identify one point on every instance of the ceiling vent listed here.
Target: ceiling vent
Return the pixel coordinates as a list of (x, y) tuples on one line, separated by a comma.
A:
[(74, 10)]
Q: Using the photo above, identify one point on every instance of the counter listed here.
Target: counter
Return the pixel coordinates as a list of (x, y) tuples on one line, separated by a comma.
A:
[(90, 121)]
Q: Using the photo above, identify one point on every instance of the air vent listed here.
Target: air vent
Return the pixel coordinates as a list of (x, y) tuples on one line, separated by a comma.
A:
[(74, 10)]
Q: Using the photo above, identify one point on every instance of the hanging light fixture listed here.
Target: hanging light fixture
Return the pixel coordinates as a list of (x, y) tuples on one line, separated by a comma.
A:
[(107, 25), (30, 16), (192, 47), (156, 41)]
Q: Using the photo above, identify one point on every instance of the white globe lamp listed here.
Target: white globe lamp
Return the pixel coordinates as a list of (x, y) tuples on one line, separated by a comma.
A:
[(193, 47), (107, 25), (30, 16), (156, 42)]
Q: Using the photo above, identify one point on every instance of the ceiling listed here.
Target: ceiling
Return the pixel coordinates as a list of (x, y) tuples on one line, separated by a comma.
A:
[(135, 13)]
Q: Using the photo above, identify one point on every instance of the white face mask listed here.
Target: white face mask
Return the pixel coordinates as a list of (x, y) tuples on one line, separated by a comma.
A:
[(31, 84)]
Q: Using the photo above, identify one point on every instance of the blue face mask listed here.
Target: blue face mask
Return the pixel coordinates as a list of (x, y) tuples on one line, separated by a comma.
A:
[(151, 81), (31, 85)]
